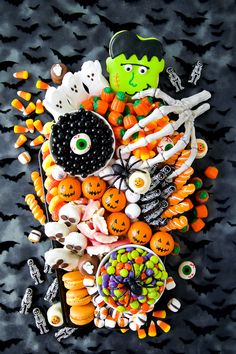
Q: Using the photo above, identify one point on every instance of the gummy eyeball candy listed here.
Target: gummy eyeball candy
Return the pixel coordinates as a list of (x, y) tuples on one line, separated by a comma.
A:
[(187, 270), (80, 144)]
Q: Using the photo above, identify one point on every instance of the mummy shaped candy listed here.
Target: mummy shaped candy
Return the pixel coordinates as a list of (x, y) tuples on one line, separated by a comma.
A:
[(26, 301), (34, 236), (70, 215), (92, 78), (34, 272), (40, 321), (62, 258), (64, 333), (54, 315), (56, 231), (174, 79), (196, 73), (52, 291), (76, 242)]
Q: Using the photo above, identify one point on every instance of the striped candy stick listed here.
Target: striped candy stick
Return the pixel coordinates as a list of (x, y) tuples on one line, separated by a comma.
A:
[(35, 208), (178, 209), (175, 224), (182, 158), (181, 180), (181, 194)]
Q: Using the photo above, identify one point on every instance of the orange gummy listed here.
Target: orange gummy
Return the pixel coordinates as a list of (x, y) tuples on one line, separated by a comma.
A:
[(211, 172)]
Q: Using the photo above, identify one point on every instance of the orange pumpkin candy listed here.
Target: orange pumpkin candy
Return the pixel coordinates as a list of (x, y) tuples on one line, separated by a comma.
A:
[(140, 233), (69, 189), (93, 187), (113, 200), (118, 224), (162, 243)]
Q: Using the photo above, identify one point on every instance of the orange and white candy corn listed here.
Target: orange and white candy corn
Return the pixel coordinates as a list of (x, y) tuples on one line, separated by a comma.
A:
[(38, 125), (20, 141), (37, 141), (39, 107), (18, 105), (25, 95), (159, 314), (29, 109), (47, 128), (18, 129), (141, 333), (23, 75), (152, 332), (163, 325), (30, 125), (42, 85), (24, 158)]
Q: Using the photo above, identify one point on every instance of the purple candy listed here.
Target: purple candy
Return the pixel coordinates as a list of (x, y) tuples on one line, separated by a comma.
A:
[(113, 255), (129, 249), (107, 265), (112, 284), (105, 277), (141, 297), (104, 284), (149, 272), (119, 278), (149, 255), (131, 274)]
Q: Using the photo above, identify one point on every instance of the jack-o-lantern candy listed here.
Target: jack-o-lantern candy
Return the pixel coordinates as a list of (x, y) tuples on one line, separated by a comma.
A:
[(114, 200), (69, 189), (118, 224), (202, 148), (162, 243), (140, 233), (93, 187)]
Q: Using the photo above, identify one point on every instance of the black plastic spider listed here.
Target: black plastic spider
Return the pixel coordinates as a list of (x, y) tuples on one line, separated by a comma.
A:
[(123, 172), (134, 284)]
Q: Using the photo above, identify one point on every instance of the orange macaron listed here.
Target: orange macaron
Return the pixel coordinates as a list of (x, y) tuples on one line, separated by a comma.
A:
[(76, 297), (81, 315), (73, 280)]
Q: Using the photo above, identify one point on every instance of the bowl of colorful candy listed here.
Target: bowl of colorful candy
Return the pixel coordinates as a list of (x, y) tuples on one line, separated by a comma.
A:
[(131, 278)]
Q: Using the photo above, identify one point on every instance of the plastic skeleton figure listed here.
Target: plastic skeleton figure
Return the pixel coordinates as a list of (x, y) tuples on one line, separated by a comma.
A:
[(174, 79), (34, 272), (186, 116), (196, 73), (64, 333), (26, 301), (40, 321), (52, 291)]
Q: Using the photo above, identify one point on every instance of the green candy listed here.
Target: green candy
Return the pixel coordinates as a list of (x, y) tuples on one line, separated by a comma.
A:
[(150, 264), (99, 280), (135, 304), (151, 301), (124, 258), (106, 291), (152, 295), (130, 256), (117, 292), (144, 291), (120, 308), (111, 270), (134, 254), (118, 257), (124, 273), (140, 250), (164, 275), (114, 263), (160, 266), (160, 283), (122, 250), (154, 259), (148, 280), (142, 301)]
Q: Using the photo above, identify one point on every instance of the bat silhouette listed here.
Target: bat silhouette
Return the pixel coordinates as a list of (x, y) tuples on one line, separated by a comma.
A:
[(231, 224), (101, 7), (217, 25), (6, 161), (233, 163), (8, 292), (8, 309), (169, 41), (195, 245), (215, 259), (228, 291), (34, 329), (203, 289), (185, 65), (157, 10), (5, 344), (54, 28), (189, 301), (44, 38), (28, 29), (190, 34), (34, 7), (212, 125), (5, 129), (226, 48), (67, 59), (68, 17), (94, 349), (5, 39), (156, 21), (200, 331), (44, 79), (209, 278), (217, 161), (90, 25), (15, 265), (223, 209), (22, 206), (222, 338), (114, 26), (14, 178), (211, 223), (1, 285), (209, 82), (228, 141), (5, 111), (202, 13), (15, 2), (219, 312), (219, 303), (190, 21), (4, 65), (34, 60), (6, 245), (231, 67), (222, 201), (217, 34), (198, 48), (6, 217), (26, 19), (217, 136), (186, 341), (14, 86), (35, 48), (223, 113), (80, 38), (160, 345)]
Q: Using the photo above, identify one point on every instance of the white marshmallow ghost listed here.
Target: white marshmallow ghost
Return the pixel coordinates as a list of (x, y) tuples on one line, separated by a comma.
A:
[(70, 214), (57, 102), (56, 231), (91, 76), (74, 89)]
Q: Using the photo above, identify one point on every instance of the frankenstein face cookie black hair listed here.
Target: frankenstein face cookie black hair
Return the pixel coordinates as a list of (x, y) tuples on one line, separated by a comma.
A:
[(82, 143)]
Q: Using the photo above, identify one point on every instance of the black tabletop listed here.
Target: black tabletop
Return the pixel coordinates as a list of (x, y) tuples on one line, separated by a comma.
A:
[(36, 34)]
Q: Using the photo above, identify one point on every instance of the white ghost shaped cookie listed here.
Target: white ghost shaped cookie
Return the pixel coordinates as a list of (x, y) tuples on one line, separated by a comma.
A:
[(62, 258), (56, 231)]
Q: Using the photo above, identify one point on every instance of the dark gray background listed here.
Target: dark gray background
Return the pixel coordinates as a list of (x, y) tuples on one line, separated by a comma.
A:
[(190, 31)]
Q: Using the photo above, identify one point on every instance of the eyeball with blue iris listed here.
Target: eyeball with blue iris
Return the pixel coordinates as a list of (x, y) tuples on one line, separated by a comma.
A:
[(165, 144), (80, 144)]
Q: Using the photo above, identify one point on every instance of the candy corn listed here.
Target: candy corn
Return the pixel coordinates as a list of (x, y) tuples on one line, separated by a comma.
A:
[(39, 107), (159, 314), (25, 95), (141, 333), (47, 129), (20, 141), (23, 75), (18, 105), (42, 85), (37, 141), (152, 332), (38, 125), (20, 129), (123, 330), (24, 158), (29, 109), (163, 325), (30, 125)]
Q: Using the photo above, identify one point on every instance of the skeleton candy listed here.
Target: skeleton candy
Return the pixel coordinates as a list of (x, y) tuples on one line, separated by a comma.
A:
[(26, 301), (38, 184), (64, 333), (35, 208), (181, 194), (183, 177), (196, 73), (56, 231), (40, 321), (178, 209), (176, 223), (47, 268), (52, 291), (34, 272), (174, 79)]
